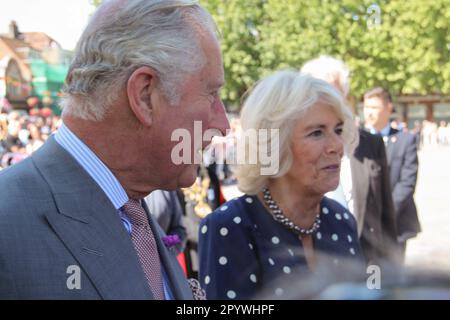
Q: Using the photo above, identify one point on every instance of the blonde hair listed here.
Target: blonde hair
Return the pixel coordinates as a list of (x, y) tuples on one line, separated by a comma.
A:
[(278, 102)]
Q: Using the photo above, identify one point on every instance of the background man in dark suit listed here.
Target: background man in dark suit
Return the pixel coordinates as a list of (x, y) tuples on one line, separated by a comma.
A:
[(403, 163), (72, 223), (364, 185)]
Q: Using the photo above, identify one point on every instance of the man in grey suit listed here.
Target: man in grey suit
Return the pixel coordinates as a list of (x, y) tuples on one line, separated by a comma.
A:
[(364, 185), (401, 150), (72, 223)]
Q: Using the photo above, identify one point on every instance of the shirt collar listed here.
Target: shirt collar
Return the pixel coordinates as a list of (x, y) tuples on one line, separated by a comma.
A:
[(92, 165), (384, 132)]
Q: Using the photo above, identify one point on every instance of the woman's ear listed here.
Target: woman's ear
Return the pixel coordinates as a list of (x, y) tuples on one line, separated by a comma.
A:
[(140, 87)]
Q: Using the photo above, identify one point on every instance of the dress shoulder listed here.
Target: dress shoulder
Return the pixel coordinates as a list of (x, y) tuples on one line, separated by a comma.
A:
[(235, 211)]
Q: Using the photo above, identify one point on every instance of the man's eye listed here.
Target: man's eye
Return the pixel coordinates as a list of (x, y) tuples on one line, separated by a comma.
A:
[(212, 95)]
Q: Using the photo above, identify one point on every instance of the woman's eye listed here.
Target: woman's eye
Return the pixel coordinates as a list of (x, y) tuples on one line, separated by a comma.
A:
[(339, 131), (316, 133)]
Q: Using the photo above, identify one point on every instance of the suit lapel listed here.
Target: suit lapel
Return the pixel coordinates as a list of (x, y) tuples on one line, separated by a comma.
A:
[(389, 151), (90, 227), (390, 145)]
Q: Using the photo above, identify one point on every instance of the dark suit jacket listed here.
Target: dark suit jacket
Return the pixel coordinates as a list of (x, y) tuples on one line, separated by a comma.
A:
[(53, 216), (373, 204), (403, 163)]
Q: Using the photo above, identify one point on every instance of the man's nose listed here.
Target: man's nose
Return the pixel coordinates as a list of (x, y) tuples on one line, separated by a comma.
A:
[(219, 119)]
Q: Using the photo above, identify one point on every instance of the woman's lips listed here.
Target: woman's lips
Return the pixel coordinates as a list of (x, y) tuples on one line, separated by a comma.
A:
[(332, 167)]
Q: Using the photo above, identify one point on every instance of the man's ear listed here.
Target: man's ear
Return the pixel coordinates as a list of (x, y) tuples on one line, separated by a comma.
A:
[(390, 107), (140, 87)]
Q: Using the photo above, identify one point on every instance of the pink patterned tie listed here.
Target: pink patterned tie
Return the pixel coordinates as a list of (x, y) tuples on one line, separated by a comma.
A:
[(145, 245)]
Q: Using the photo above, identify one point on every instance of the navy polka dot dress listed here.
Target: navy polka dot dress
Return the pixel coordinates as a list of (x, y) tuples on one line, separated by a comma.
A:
[(242, 249)]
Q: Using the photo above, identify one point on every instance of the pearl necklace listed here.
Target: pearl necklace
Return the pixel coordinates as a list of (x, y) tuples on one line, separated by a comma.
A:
[(281, 218)]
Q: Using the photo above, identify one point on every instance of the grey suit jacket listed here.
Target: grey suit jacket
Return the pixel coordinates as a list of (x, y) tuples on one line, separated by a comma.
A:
[(373, 205), (403, 163), (55, 221)]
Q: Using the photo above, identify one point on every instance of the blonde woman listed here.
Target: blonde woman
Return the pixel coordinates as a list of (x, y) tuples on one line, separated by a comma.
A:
[(279, 227)]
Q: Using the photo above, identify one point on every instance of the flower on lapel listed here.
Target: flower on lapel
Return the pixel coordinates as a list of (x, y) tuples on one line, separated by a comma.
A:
[(171, 240)]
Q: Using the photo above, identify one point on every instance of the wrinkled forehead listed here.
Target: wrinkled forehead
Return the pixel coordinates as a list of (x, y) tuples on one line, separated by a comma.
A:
[(213, 72)]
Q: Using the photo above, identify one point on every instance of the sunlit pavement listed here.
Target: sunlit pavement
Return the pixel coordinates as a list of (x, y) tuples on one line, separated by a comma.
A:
[(431, 248)]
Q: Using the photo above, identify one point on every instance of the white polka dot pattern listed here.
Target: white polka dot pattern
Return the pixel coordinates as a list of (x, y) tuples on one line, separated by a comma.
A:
[(223, 260), (335, 234), (223, 232)]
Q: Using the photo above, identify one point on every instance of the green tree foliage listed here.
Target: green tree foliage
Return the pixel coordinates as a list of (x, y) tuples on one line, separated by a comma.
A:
[(96, 2), (401, 45), (238, 23)]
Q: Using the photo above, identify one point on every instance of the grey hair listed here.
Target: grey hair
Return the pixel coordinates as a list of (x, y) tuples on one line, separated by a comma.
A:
[(124, 35), (278, 102), (330, 69)]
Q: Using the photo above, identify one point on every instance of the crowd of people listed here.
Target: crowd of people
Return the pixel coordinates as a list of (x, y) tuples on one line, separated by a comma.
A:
[(21, 134), (432, 133), (103, 198)]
